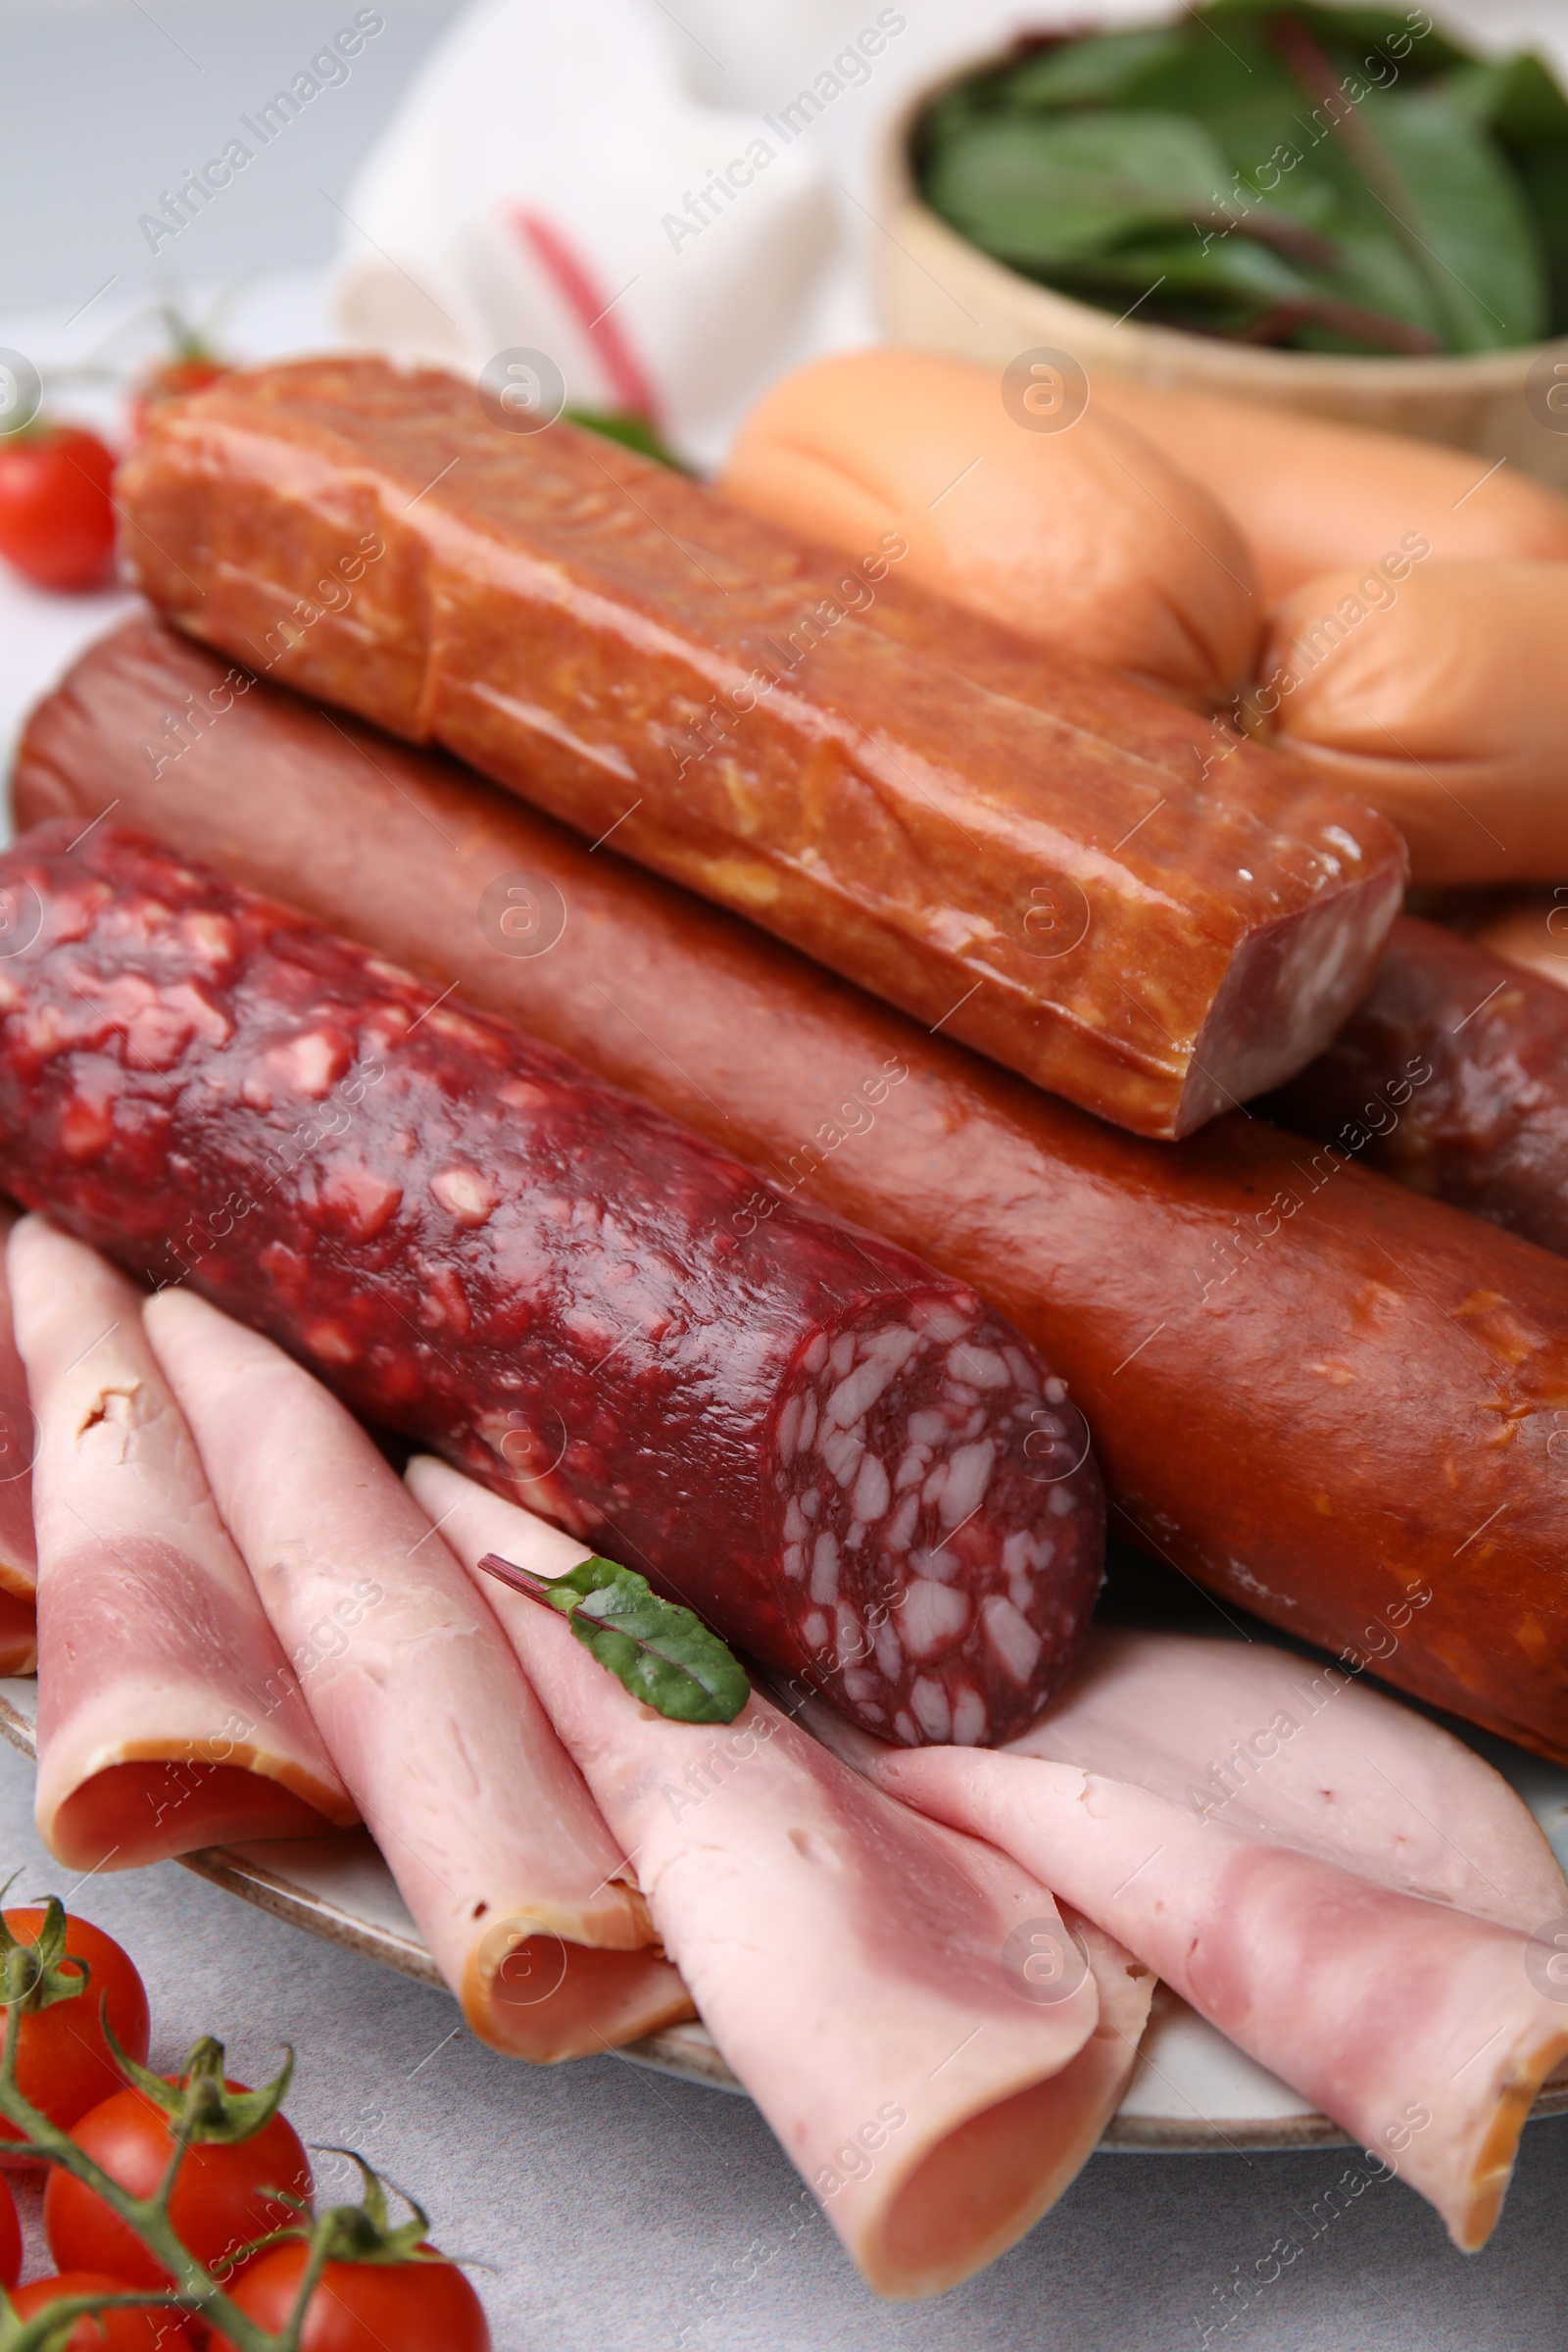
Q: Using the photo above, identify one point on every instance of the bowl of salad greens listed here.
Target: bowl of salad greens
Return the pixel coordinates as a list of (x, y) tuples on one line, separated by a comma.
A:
[(1347, 209)]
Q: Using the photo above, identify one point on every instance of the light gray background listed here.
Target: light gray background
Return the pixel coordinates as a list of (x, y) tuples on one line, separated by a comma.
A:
[(101, 104), (614, 2208)]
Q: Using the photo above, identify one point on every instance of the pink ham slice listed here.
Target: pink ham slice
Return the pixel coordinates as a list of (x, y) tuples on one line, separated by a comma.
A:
[(1418, 2028), (518, 1887), (19, 1552), (168, 1716), (885, 1988), (1302, 1753)]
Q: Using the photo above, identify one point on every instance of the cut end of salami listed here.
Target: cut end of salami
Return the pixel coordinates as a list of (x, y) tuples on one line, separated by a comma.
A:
[(939, 1523), (844, 1461)]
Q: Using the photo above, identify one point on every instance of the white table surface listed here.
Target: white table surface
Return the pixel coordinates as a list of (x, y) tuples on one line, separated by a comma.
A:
[(612, 2209)]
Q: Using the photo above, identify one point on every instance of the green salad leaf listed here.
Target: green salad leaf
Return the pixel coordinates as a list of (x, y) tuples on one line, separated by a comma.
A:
[(1513, 96), (1105, 69), (1353, 30), (660, 1652), (1470, 218), (1045, 193), (1335, 179)]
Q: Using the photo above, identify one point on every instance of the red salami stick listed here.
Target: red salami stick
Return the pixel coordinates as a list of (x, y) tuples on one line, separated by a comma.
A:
[(845, 1461)]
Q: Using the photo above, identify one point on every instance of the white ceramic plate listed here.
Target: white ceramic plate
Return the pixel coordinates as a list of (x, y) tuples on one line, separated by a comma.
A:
[(1193, 2093)]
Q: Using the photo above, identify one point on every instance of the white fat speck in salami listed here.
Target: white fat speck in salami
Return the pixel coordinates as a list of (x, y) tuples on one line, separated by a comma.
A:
[(912, 1507), (872, 1493)]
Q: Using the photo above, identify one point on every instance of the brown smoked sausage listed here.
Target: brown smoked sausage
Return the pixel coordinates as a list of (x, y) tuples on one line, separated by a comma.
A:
[(1451, 1075), (1340, 1406), (800, 738)]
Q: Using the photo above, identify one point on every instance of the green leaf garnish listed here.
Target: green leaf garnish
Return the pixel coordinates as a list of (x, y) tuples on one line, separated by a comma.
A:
[(660, 1652), (630, 430)]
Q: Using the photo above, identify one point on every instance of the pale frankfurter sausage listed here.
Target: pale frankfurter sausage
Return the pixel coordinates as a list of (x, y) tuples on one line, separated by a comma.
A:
[(1312, 496), (1088, 538), (1441, 697)]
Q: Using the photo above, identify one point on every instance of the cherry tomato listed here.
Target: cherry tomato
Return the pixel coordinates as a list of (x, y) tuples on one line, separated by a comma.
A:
[(114, 2330), (367, 2306), (62, 2062), (220, 2201), (56, 524), (173, 379)]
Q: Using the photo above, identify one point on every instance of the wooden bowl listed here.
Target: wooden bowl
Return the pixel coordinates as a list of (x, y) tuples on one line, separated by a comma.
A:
[(936, 289)]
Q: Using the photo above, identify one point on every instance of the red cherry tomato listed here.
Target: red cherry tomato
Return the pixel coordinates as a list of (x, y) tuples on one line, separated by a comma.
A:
[(56, 524), (62, 2062), (114, 2330), (175, 380), (365, 2306), (220, 2201)]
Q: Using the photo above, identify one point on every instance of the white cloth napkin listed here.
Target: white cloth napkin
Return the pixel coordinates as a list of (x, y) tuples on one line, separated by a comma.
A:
[(670, 204)]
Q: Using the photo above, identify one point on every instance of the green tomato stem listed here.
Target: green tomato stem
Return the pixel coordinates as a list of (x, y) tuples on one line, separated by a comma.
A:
[(146, 2217)]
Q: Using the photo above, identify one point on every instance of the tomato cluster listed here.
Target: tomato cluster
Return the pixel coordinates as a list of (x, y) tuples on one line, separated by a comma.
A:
[(395, 2297)]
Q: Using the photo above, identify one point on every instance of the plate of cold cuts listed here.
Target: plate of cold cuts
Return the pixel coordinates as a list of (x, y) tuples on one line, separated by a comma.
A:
[(782, 1334), (1190, 2091)]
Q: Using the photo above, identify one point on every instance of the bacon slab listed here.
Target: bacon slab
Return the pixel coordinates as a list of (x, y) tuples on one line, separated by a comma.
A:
[(515, 1884), (169, 1717), (867, 1975), (1418, 2028), (850, 766)]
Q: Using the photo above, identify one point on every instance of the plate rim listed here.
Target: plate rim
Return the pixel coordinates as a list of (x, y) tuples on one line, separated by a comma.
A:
[(687, 2051)]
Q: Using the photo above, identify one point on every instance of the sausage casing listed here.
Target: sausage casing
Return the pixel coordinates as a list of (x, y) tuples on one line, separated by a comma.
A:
[(798, 738)]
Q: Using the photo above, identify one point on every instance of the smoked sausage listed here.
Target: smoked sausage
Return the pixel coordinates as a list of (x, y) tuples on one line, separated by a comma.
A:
[(1330, 1402), (1452, 1076), (760, 719)]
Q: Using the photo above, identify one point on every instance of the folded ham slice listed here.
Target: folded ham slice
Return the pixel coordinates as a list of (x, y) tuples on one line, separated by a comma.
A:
[(517, 1885), (1416, 2027), (168, 1717), (19, 1550), (1302, 1753), (909, 2009)]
